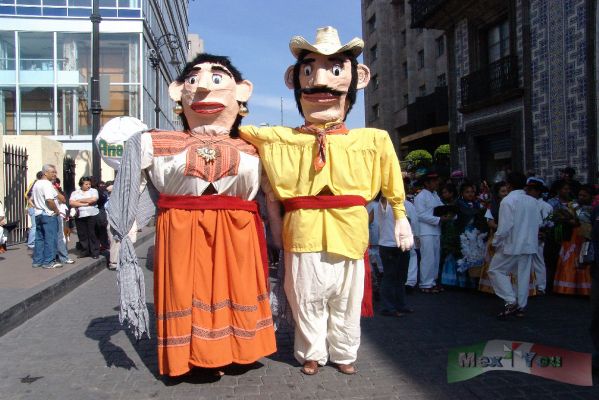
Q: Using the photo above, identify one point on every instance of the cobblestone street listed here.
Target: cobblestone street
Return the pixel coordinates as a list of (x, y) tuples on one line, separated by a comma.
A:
[(76, 349)]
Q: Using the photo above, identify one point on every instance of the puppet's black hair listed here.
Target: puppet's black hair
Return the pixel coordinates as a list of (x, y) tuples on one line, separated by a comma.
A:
[(221, 60)]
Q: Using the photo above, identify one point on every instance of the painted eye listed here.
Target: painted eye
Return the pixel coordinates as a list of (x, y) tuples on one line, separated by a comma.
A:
[(192, 80), (307, 70), (216, 78), (337, 70)]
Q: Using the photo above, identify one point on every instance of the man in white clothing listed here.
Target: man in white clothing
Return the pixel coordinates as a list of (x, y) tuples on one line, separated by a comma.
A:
[(44, 196), (535, 187), (516, 241), (429, 232), (413, 268)]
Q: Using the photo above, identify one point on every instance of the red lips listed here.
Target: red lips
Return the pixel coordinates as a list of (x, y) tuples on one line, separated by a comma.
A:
[(320, 97), (203, 107)]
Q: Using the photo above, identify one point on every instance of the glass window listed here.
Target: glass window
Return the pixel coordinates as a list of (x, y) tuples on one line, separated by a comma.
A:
[(120, 57), (55, 12), (29, 2), (442, 80), (29, 10), (80, 3), (10, 10), (36, 58), (73, 58), (372, 23), (440, 41), (498, 41), (129, 3), (373, 53), (73, 115), (422, 90), (7, 110), (7, 57), (55, 3), (421, 59), (124, 100), (406, 99), (107, 3), (37, 117), (404, 39), (404, 68)]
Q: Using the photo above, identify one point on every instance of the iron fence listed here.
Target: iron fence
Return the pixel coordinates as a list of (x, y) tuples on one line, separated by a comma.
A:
[(15, 186)]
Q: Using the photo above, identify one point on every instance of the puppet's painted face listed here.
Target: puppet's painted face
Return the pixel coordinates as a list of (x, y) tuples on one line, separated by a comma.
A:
[(210, 95), (325, 81)]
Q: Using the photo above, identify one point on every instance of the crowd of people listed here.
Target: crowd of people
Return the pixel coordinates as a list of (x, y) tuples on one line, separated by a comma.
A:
[(53, 216), (515, 238)]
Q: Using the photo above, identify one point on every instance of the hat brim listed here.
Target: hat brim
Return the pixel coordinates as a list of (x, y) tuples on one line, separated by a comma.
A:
[(299, 43)]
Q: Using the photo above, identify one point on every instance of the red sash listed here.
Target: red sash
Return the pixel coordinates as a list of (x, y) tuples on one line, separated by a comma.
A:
[(340, 201), (220, 202)]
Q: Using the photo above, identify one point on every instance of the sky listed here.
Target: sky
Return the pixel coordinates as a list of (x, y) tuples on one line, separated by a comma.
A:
[(255, 35)]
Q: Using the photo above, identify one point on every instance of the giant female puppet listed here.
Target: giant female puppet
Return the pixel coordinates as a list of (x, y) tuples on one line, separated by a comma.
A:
[(325, 173), (211, 298)]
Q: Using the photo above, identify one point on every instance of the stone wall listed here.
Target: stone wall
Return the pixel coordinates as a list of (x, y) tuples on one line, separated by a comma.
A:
[(558, 41)]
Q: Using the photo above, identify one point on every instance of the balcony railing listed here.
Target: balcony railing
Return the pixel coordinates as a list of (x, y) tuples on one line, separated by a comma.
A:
[(423, 9), (495, 79)]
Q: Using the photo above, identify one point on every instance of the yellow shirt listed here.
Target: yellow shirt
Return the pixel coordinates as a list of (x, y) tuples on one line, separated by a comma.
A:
[(361, 162)]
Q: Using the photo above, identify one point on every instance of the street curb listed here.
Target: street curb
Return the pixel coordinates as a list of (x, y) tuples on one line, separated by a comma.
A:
[(54, 291)]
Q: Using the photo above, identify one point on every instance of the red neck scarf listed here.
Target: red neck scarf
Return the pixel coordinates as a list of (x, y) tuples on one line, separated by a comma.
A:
[(321, 132)]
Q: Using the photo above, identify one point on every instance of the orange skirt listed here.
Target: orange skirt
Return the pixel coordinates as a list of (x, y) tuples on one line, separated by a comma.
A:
[(211, 297), (570, 277)]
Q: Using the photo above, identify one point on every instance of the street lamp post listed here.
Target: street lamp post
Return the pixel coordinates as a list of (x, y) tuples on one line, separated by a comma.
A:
[(96, 107), (172, 42)]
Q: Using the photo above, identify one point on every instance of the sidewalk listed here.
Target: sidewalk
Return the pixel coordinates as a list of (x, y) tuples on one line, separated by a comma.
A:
[(25, 291)]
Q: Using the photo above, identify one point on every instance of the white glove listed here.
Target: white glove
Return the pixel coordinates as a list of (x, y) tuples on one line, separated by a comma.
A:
[(403, 234)]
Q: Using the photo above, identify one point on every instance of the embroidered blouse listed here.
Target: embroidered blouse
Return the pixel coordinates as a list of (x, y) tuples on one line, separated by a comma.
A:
[(174, 163)]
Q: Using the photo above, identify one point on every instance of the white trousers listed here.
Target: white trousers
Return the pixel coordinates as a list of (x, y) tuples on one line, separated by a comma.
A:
[(430, 257), (325, 293), (413, 268), (499, 272), (538, 266)]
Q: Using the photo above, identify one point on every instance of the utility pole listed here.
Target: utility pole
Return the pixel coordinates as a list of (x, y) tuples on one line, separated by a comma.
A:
[(96, 107)]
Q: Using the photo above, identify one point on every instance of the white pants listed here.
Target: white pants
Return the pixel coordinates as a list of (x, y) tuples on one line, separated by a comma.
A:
[(430, 257), (538, 266), (499, 272), (413, 268), (325, 293)]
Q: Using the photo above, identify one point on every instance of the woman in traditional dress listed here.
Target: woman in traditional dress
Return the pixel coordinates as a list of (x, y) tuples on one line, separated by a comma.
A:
[(210, 267), (573, 273)]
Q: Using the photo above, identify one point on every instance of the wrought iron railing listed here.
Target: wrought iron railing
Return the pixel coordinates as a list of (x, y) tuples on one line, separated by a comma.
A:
[(494, 79), (423, 9)]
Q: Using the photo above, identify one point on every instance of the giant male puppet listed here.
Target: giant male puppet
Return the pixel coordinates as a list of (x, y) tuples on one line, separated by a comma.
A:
[(210, 290), (325, 174)]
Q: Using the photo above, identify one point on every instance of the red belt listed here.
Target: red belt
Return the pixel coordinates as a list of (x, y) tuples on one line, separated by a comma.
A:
[(340, 201), (322, 202), (220, 202)]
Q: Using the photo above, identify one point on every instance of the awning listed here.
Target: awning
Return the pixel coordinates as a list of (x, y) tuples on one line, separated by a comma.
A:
[(436, 130)]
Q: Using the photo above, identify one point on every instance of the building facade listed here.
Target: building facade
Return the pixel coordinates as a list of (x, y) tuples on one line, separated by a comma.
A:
[(46, 64), (407, 96), (522, 84)]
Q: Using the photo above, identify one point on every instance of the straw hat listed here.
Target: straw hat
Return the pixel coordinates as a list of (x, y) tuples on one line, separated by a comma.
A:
[(327, 42)]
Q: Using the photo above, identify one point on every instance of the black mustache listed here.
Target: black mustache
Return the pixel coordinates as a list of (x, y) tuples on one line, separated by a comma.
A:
[(322, 90)]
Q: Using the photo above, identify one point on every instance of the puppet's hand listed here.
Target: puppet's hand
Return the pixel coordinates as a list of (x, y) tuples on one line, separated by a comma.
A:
[(403, 234)]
